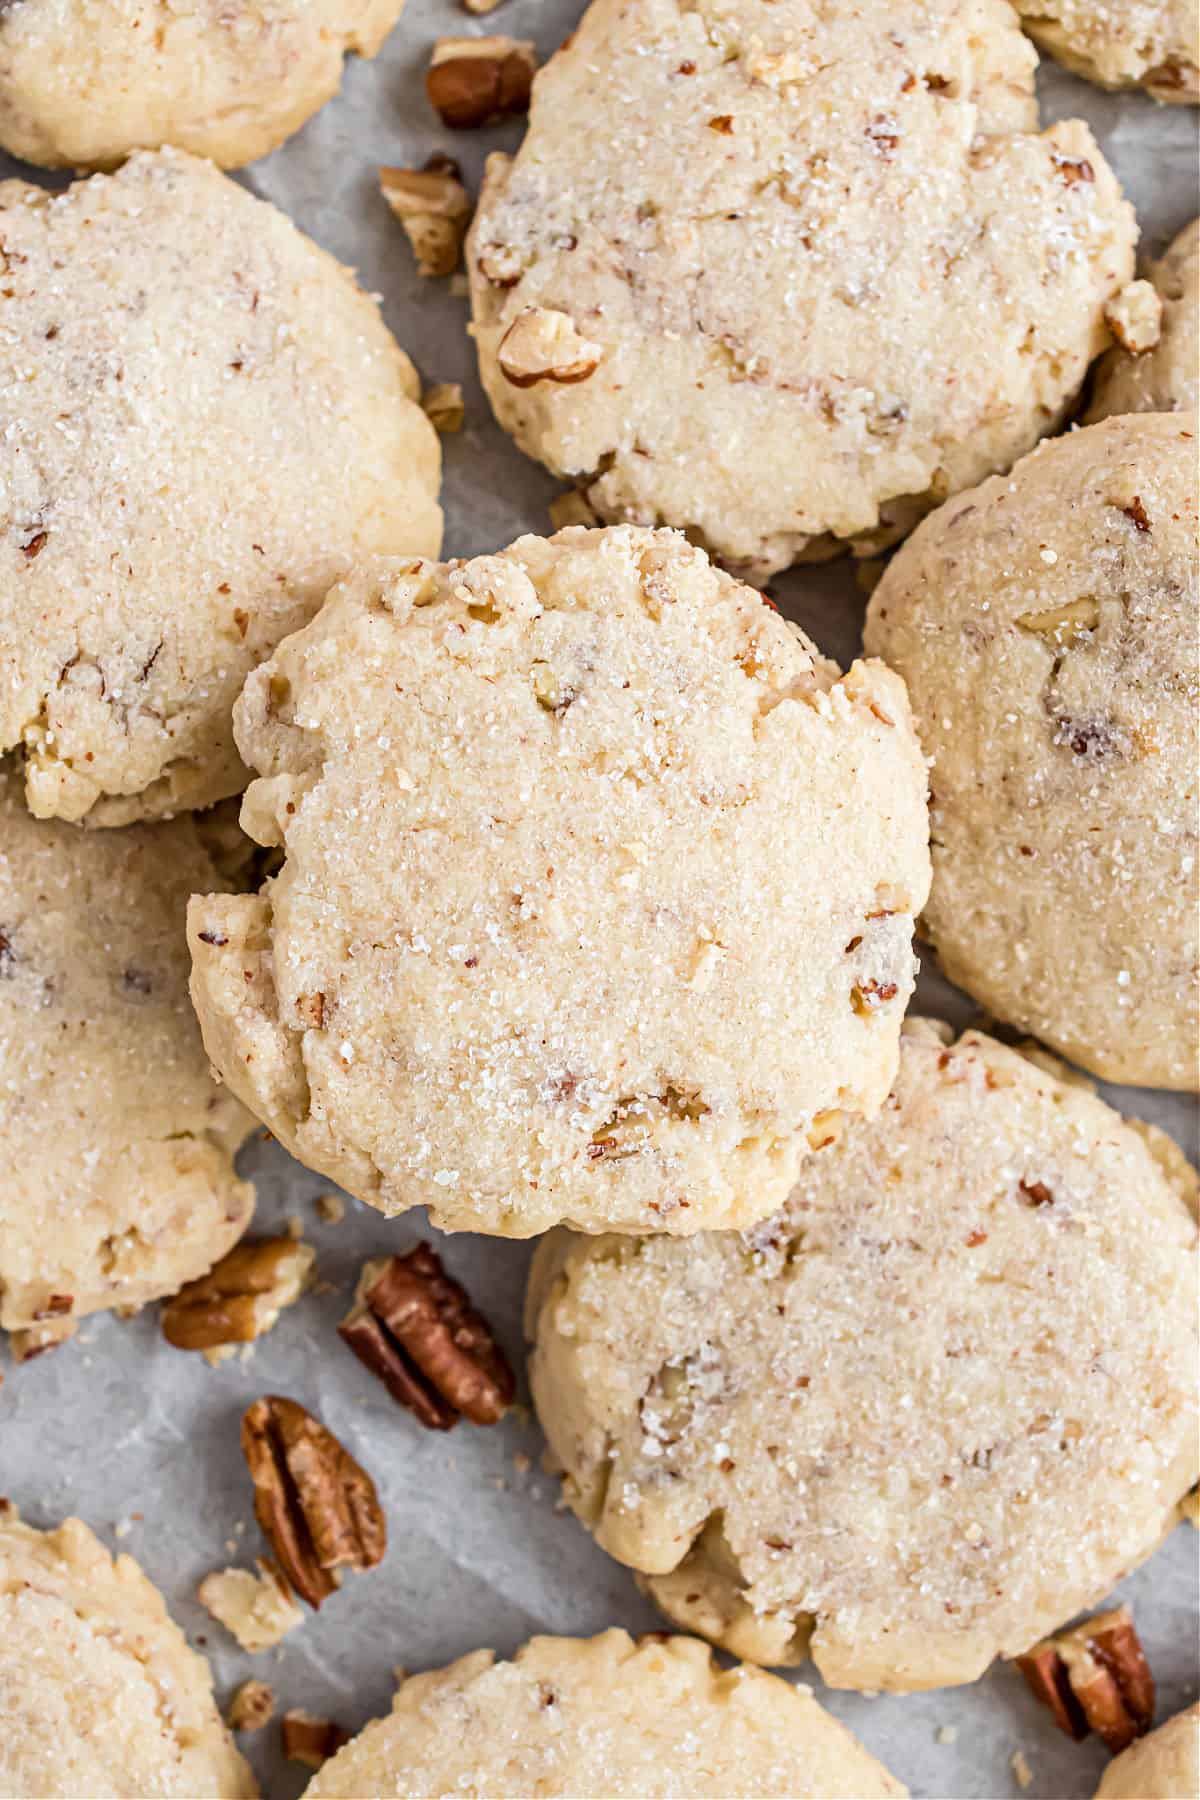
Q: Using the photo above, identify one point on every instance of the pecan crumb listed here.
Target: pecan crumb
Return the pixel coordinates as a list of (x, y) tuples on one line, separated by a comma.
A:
[(241, 1297), (471, 81), (310, 1740), (251, 1706), (1036, 1192), (444, 407), (34, 545), (415, 1327), (47, 1334), (1137, 512), (317, 1507), (258, 1610), (433, 206), (1094, 1678)]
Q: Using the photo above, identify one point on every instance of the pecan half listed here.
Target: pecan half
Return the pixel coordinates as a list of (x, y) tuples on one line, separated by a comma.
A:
[(1094, 1678), (416, 1329), (241, 1297), (471, 80), (309, 1740), (542, 344), (315, 1504)]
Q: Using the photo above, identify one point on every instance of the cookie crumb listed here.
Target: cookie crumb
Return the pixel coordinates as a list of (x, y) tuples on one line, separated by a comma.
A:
[(251, 1706), (947, 1734), (1020, 1768), (258, 1610), (331, 1208)]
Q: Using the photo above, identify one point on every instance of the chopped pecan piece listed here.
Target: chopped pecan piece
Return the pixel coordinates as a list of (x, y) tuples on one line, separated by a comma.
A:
[(416, 1329), (433, 206), (1094, 1678), (443, 407), (472, 80), (542, 344), (47, 1334), (251, 1706), (309, 1740), (316, 1505), (241, 1297), (258, 1610)]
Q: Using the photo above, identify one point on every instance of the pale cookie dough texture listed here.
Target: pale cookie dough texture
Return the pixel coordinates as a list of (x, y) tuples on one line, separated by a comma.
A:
[(85, 82), (1046, 625), (786, 276), (1151, 44), (880, 1429), (203, 422), (116, 1144), (597, 898), (1163, 1766), (1166, 376), (101, 1697), (602, 1717)]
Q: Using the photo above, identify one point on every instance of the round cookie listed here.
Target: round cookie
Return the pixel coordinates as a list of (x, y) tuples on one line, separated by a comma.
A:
[(1046, 625), (1163, 1766), (84, 82), (597, 898), (117, 1145), (1166, 376), (203, 422), (786, 277), (603, 1717), (879, 1429), (100, 1693), (1122, 43)]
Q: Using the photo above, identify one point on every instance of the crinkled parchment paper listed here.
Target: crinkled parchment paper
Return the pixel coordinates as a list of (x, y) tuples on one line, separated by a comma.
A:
[(142, 1440)]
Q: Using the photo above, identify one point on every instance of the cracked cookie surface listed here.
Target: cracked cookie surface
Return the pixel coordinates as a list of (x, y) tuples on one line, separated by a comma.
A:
[(603, 1716), (1122, 43), (1166, 376), (204, 422), (1047, 627), (85, 82), (100, 1694), (796, 332), (935, 1406), (116, 1143), (597, 894)]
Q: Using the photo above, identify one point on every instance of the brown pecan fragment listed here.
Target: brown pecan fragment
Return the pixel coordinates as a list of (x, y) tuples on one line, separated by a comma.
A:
[(416, 1329), (433, 206), (1094, 1678), (543, 344), (471, 80), (309, 1740), (251, 1706), (315, 1504), (241, 1297)]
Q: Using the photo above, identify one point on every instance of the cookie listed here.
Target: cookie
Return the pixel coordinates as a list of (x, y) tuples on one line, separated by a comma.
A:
[(603, 1717), (100, 1693), (83, 85), (116, 1143), (1164, 377), (204, 421), (935, 1406), (597, 898), (786, 278), (1163, 1766), (1122, 43), (1046, 625)]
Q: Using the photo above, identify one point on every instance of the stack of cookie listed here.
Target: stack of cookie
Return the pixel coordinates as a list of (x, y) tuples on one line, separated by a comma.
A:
[(573, 890)]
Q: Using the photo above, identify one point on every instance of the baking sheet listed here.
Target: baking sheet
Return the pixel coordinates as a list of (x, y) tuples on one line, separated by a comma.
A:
[(142, 1440)]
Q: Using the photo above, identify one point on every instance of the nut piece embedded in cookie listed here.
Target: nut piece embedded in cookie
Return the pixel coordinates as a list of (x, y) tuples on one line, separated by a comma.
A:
[(317, 1507), (543, 344), (433, 206), (1094, 1677), (472, 80), (416, 1329), (241, 1298)]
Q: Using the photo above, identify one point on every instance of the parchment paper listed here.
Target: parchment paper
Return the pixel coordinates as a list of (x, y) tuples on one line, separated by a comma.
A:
[(142, 1441)]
